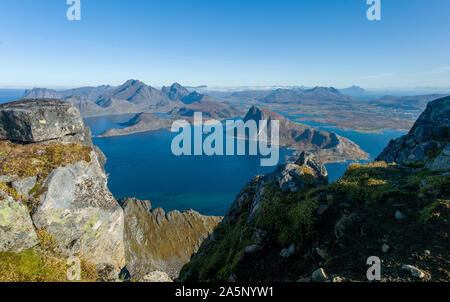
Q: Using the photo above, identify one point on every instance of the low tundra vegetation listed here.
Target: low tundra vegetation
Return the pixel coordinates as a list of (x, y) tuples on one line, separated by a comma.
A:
[(36, 265), (39, 159), (350, 219)]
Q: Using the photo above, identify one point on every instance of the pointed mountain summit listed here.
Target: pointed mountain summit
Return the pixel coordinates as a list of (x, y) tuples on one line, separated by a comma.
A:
[(135, 92), (327, 146), (175, 92)]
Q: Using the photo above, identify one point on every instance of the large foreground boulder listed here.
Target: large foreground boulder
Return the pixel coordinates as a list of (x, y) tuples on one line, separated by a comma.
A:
[(38, 120)]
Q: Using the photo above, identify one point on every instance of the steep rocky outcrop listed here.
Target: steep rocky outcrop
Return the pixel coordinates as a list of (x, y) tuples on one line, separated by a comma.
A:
[(328, 232), (326, 146), (158, 241), (53, 185), (427, 143)]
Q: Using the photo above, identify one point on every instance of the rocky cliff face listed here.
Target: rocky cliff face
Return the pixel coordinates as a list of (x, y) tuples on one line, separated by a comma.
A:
[(53, 186), (327, 146), (156, 241), (427, 143), (291, 225)]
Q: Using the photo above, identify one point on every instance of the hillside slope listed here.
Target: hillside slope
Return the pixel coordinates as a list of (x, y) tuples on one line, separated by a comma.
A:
[(292, 226), (327, 146)]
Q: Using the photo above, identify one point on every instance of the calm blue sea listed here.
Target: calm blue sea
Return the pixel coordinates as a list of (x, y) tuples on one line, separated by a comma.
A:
[(143, 166), (8, 95)]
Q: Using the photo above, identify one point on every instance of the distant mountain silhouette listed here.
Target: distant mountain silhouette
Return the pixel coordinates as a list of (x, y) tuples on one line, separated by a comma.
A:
[(417, 102), (135, 96), (354, 91), (309, 96)]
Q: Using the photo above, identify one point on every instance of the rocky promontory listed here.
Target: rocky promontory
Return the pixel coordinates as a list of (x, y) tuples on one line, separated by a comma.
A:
[(55, 203), (141, 122), (427, 143), (53, 186), (327, 146)]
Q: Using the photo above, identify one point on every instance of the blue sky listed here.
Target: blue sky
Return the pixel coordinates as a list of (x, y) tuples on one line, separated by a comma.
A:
[(225, 43)]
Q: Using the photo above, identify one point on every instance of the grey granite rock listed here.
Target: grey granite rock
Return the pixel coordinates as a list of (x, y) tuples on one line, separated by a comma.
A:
[(107, 273), (79, 211), (156, 276), (308, 159), (427, 142), (442, 161), (286, 253), (296, 176), (16, 227), (38, 120), (319, 275), (25, 185)]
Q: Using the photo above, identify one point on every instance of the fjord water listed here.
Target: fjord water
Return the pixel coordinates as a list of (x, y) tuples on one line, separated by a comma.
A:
[(143, 166)]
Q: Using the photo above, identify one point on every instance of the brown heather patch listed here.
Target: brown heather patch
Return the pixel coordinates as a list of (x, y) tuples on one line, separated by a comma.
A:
[(39, 159)]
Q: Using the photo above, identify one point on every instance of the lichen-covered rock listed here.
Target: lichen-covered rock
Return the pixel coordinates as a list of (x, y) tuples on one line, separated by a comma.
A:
[(25, 185), (156, 277), (16, 228), (291, 177), (38, 120), (428, 140), (107, 273), (159, 241), (288, 177), (307, 159), (442, 161), (78, 210), (53, 167)]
